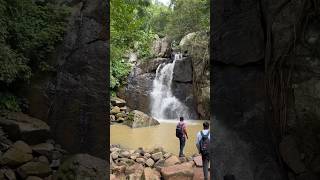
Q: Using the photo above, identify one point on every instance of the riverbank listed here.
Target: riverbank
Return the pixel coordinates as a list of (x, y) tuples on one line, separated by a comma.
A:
[(155, 163)]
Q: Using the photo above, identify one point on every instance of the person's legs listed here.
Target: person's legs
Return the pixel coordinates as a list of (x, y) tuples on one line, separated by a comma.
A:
[(182, 144), (205, 163)]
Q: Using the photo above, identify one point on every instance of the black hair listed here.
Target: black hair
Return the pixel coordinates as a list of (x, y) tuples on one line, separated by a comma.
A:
[(181, 118), (206, 125)]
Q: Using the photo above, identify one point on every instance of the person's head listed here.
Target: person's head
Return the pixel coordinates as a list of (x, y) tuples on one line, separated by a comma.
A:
[(205, 125), (181, 118)]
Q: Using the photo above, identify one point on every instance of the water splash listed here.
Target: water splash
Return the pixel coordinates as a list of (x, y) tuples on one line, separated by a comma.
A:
[(164, 105)]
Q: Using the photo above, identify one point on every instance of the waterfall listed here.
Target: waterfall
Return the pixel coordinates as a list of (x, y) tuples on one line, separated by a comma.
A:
[(164, 105)]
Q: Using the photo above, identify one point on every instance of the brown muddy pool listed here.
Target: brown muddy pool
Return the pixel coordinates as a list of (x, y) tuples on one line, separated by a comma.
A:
[(161, 135)]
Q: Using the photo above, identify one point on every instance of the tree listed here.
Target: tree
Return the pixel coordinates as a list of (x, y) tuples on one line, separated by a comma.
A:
[(130, 31), (188, 16), (29, 32)]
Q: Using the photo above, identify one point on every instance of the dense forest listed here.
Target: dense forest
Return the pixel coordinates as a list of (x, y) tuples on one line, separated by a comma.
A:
[(135, 23), (29, 32)]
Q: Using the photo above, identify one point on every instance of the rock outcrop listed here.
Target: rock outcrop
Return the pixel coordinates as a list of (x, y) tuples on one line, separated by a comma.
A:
[(78, 107), (266, 89), (140, 84), (196, 45), (161, 47), (137, 119), (72, 98), (242, 144)]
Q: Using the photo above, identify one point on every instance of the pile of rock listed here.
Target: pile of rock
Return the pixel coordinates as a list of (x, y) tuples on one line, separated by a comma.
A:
[(119, 113), (118, 110), (31, 162), (27, 152), (149, 164)]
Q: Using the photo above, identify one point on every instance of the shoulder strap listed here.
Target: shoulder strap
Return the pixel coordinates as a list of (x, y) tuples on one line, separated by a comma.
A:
[(202, 135)]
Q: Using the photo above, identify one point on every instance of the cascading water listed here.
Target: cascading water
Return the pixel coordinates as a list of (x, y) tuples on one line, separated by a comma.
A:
[(164, 105)]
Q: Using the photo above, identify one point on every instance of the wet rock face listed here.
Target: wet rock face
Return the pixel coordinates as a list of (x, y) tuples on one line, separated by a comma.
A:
[(304, 119), (140, 84), (242, 143), (234, 52), (182, 71), (78, 112), (241, 139), (182, 85)]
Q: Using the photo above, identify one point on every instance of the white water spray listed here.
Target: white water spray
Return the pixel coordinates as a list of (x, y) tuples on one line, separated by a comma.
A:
[(164, 105)]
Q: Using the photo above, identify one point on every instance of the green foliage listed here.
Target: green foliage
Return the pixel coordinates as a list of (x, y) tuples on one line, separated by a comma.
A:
[(188, 16), (9, 102), (130, 31), (13, 65), (160, 18), (134, 23), (29, 32)]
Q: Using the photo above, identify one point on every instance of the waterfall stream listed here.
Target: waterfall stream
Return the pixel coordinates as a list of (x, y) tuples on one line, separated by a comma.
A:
[(164, 105)]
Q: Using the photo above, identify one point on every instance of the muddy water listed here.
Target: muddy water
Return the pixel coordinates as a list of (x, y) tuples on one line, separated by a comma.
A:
[(162, 135)]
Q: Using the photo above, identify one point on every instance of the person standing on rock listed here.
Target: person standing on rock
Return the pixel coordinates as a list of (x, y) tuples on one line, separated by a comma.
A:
[(181, 133), (202, 143)]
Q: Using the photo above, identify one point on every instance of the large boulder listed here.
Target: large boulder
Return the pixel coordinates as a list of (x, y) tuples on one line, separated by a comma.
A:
[(182, 71), (171, 161), (115, 101), (83, 166), (151, 174), (43, 149), (186, 41), (151, 65), (138, 90), (161, 47), (137, 119), (18, 153), (39, 169), (136, 169), (182, 171), (20, 126)]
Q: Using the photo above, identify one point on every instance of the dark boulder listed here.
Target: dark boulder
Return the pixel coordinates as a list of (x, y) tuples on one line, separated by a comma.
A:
[(184, 92), (151, 65), (20, 126), (182, 71), (138, 119), (161, 47), (78, 108), (138, 91), (83, 166)]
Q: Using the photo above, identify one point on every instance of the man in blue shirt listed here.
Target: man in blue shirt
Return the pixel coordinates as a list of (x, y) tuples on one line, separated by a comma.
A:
[(202, 143)]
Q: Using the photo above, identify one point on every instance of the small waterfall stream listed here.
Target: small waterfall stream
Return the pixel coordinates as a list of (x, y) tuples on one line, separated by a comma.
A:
[(164, 105)]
